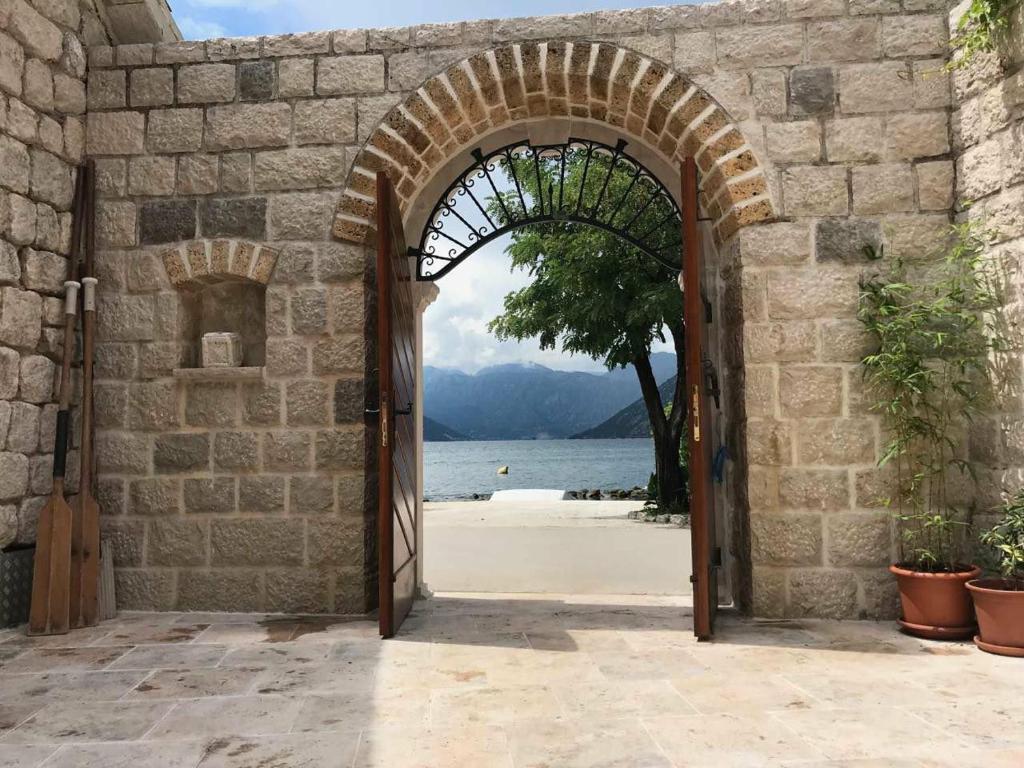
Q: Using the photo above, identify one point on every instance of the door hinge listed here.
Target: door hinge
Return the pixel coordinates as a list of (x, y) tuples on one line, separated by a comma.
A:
[(711, 382), (384, 420)]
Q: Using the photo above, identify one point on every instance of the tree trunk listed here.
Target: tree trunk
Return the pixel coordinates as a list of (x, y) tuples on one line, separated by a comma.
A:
[(666, 436)]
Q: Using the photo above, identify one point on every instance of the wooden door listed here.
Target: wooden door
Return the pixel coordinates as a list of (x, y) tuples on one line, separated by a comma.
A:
[(702, 500), (396, 344)]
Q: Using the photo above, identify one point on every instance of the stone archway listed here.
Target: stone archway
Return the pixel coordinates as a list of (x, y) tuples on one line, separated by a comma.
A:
[(596, 83)]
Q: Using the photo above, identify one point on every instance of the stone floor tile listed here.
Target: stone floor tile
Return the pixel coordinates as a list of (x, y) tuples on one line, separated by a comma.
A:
[(148, 754), (183, 656), (228, 716), (872, 732), (319, 750), (68, 722), (270, 654), (148, 633), (9, 651), (621, 698), (433, 747), (361, 709), (243, 633), (68, 686), (11, 715), (717, 692), (317, 678), (595, 743), (726, 741), (999, 725), (654, 665), (76, 638), (24, 755), (975, 758), (194, 684), (491, 705), (65, 659), (579, 640)]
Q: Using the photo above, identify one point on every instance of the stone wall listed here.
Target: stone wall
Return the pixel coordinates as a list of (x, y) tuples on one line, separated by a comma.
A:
[(819, 127), (988, 138), (42, 138)]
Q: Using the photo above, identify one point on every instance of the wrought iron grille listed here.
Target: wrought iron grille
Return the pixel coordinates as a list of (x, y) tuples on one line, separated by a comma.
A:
[(581, 181)]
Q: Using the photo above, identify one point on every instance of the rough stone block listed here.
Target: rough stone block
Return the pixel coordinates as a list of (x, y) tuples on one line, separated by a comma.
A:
[(144, 589), (173, 130), (823, 593), (116, 133), (769, 442), (836, 442), (335, 542), (256, 542), (854, 140), (51, 179), (843, 240), (181, 452), (206, 495), (256, 80), (40, 36), (119, 453), (298, 590), (305, 168), (348, 75), (152, 406), (980, 170), (209, 404), (301, 216), (287, 451), (811, 91), (818, 293), (810, 390), (344, 354), (115, 223), (22, 423), (326, 121), (43, 272), (15, 160), (68, 94), (20, 317), (932, 87), (844, 341), (167, 221), (800, 488), (912, 135), (794, 142), (786, 539), (12, 65), (236, 450), (261, 404), (237, 126), (220, 589), (309, 311), (261, 494), (340, 448), (760, 46), (287, 357), (935, 185), (860, 539), (152, 87), (295, 78), (307, 403), (349, 401), (235, 217), (176, 543), (152, 175), (815, 190), (310, 495), (206, 83), (878, 87), (853, 39), (338, 262), (884, 188), (10, 366), (155, 497), (917, 35), (770, 342)]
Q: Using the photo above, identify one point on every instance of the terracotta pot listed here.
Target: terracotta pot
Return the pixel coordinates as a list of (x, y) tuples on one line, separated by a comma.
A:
[(1000, 616), (936, 605)]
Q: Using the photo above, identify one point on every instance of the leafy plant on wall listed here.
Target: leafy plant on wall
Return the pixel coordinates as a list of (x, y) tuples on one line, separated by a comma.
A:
[(981, 29), (936, 330)]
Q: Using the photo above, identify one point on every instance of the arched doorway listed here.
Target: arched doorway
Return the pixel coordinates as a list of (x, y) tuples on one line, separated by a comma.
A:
[(538, 102)]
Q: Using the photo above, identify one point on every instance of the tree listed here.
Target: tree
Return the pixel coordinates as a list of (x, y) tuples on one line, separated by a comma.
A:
[(595, 294)]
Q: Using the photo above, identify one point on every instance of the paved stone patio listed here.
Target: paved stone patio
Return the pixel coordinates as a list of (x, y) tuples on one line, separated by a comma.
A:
[(510, 681)]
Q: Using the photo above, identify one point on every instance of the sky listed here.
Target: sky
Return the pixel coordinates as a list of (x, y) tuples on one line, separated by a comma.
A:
[(455, 326), (199, 19)]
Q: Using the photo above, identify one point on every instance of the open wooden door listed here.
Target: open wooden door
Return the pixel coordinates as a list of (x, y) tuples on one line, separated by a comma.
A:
[(702, 499), (396, 345)]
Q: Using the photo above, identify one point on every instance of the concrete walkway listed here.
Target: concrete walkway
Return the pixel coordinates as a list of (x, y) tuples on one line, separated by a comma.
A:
[(492, 681), (578, 547)]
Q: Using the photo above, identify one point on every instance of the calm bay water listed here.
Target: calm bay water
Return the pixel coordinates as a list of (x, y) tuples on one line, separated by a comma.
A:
[(460, 469)]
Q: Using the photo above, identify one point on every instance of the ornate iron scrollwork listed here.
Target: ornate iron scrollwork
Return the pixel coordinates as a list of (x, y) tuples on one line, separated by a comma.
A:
[(581, 181)]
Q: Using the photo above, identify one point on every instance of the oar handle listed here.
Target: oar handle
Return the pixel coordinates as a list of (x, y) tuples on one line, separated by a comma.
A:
[(89, 294), (71, 297), (60, 444)]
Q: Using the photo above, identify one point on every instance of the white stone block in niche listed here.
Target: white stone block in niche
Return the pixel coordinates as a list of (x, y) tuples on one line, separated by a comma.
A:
[(222, 350)]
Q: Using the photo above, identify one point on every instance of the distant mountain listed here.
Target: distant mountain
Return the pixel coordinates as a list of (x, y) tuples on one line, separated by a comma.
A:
[(631, 421), (527, 402), (436, 432)]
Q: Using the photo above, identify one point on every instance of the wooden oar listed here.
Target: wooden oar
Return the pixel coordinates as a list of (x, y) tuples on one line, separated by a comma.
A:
[(87, 542), (51, 580)]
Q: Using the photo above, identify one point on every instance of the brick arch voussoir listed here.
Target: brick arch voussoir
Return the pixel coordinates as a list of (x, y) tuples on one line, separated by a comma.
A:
[(201, 262), (596, 81)]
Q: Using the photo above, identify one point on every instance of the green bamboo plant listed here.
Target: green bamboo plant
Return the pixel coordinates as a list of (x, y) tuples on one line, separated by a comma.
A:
[(1005, 541), (934, 330)]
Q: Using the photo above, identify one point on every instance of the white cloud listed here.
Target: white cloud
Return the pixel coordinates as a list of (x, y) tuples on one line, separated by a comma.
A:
[(198, 29)]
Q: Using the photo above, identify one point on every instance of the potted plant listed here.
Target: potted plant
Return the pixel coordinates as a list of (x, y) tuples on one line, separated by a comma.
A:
[(999, 601), (933, 328)]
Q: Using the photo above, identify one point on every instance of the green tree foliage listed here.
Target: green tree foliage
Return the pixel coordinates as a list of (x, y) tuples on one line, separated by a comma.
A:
[(595, 294)]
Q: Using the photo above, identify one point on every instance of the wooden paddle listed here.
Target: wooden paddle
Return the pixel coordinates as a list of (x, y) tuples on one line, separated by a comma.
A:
[(86, 541), (51, 580)]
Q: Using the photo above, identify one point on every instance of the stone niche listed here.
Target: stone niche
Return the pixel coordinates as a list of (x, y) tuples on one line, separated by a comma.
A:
[(221, 287)]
